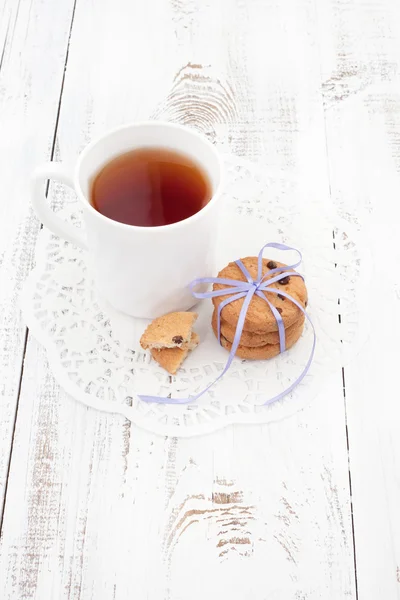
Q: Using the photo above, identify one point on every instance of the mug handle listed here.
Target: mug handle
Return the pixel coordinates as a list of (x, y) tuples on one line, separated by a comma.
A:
[(40, 204)]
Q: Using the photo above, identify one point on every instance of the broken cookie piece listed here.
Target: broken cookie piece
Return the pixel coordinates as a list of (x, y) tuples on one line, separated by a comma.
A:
[(173, 330), (171, 359), (170, 339)]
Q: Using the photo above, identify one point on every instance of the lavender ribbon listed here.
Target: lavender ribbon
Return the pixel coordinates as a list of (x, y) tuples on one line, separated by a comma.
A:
[(247, 289)]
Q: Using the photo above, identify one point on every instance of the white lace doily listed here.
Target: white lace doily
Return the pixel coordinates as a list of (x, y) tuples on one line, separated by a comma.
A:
[(95, 354)]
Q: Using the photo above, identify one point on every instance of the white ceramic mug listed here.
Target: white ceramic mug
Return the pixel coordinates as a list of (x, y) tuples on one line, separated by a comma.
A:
[(142, 271)]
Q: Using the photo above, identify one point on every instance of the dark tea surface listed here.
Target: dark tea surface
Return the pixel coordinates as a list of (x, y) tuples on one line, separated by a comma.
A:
[(149, 187)]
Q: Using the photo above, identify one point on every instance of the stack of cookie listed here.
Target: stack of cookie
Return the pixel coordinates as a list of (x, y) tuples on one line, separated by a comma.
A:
[(260, 336)]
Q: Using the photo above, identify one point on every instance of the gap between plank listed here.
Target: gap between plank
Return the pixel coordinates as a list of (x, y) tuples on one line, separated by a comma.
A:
[(348, 454), (340, 319), (4, 47), (53, 145), (350, 486)]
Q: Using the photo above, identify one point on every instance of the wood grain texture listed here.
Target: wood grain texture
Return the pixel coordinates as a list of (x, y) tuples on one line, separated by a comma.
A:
[(33, 44), (97, 508), (109, 509), (360, 52)]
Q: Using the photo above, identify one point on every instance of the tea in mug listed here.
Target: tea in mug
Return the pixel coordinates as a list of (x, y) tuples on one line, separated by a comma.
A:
[(149, 187)]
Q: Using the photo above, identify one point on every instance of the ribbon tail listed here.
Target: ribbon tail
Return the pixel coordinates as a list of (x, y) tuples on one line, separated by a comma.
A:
[(304, 372)]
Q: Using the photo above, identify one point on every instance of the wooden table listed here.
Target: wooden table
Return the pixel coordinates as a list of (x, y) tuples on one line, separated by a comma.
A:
[(91, 506)]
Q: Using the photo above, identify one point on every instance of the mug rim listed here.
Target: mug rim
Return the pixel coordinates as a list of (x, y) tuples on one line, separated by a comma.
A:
[(126, 226)]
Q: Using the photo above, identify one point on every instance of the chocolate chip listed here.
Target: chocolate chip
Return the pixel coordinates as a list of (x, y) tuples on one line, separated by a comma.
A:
[(306, 303), (271, 264), (284, 280), (177, 339), (279, 310), (281, 297)]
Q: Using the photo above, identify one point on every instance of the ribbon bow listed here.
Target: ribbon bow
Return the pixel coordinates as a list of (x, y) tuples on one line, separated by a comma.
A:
[(247, 289)]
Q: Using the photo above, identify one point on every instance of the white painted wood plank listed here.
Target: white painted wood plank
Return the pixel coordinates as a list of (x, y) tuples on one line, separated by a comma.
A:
[(360, 49), (99, 509), (33, 42)]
